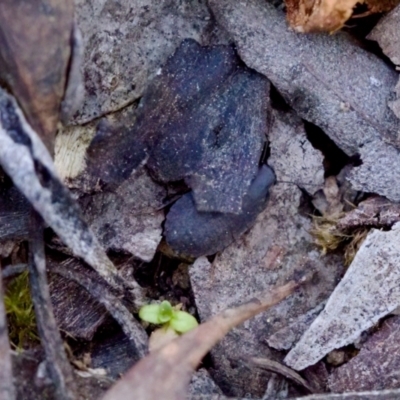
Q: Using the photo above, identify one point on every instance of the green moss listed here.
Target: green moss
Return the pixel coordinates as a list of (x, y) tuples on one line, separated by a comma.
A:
[(20, 313)]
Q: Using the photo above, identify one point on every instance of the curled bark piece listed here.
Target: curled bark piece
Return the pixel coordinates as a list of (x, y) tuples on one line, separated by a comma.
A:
[(7, 389), (26, 160), (166, 373), (34, 54), (132, 329), (57, 362)]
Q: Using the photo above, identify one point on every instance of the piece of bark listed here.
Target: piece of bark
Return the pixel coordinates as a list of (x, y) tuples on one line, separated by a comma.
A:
[(278, 246), (125, 217), (34, 55), (376, 211), (126, 43), (202, 384), (375, 366), (27, 161), (75, 310), (166, 373), (191, 233), (286, 337), (289, 142), (386, 34), (72, 270), (14, 214), (205, 104), (329, 81), (220, 120), (115, 354), (128, 219), (368, 292), (75, 147)]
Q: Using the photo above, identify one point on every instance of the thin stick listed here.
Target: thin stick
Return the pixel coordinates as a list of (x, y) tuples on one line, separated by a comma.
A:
[(7, 389), (58, 365)]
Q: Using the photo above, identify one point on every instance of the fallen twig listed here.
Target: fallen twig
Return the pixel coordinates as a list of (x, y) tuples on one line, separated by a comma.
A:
[(26, 160), (58, 365), (278, 368)]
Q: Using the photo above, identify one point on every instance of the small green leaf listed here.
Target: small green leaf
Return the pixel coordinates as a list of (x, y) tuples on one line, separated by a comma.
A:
[(182, 322), (150, 313), (165, 313)]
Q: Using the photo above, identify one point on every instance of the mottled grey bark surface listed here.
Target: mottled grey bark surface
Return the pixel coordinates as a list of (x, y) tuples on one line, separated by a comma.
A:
[(329, 81)]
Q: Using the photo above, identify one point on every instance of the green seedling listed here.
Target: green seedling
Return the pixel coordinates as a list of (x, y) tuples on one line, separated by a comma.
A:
[(168, 316)]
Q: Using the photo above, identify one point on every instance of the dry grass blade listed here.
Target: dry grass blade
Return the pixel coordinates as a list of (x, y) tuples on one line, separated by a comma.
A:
[(166, 373)]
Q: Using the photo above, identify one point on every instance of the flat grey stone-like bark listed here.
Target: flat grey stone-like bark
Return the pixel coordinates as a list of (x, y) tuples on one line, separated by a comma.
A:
[(328, 80), (369, 291)]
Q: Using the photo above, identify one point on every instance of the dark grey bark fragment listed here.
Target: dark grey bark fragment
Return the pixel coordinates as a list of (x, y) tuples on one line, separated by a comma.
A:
[(14, 214), (115, 354), (203, 119), (194, 233), (216, 145), (328, 80)]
